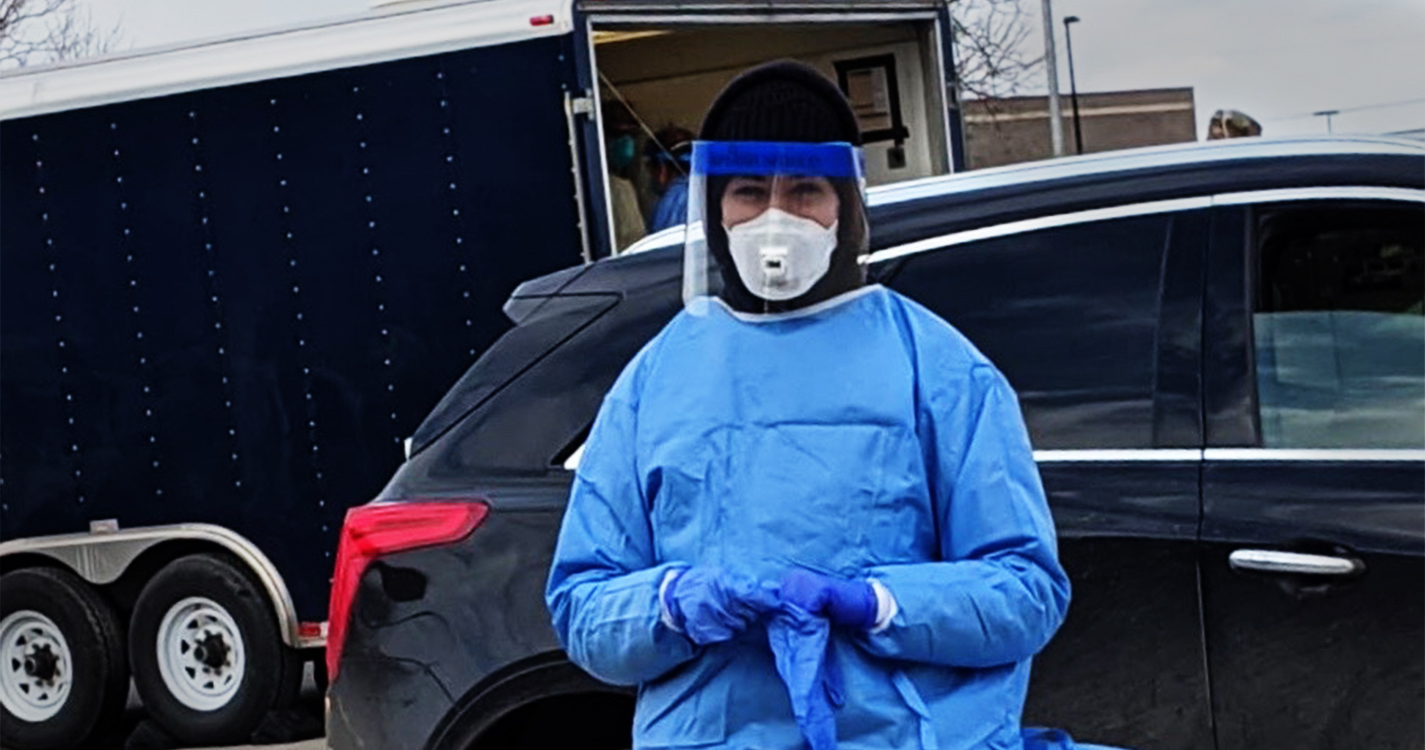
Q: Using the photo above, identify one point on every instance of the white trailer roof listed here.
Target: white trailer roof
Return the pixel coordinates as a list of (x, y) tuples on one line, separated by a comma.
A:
[(380, 35)]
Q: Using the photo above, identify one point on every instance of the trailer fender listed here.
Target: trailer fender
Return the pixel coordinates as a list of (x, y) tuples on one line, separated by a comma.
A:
[(101, 557)]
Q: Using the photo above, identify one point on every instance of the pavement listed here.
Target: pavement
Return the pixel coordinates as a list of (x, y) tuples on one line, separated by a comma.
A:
[(297, 728)]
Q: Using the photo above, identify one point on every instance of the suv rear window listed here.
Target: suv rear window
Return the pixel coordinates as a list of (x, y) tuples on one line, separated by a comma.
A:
[(1069, 314)]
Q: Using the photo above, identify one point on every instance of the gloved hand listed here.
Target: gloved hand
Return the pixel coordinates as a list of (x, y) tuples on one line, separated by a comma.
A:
[(847, 604), (712, 606), (800, 643)]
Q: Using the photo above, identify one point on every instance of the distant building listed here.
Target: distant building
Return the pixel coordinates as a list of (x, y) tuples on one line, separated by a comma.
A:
[(1016, 129)]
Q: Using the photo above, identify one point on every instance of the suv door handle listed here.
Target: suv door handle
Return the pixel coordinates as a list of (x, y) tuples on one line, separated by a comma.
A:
[(1276, 561)]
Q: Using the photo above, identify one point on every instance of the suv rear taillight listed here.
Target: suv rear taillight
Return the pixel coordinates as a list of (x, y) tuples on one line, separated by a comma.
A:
[(372, 531)]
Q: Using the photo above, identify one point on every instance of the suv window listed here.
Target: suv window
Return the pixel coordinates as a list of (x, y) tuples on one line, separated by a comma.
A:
[(1338, 326), (1069, 314)]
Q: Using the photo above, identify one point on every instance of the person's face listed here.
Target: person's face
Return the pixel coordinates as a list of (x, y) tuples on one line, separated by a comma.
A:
[(1215, 132), (813, 198)]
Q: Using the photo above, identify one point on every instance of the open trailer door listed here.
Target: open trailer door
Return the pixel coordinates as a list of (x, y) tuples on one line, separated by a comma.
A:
[(663, 63)]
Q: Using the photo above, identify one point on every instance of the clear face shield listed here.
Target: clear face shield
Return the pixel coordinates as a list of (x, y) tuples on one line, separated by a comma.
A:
[(770, 223)]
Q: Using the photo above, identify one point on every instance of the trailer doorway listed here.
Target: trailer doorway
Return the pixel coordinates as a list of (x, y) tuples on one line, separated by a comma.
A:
[(666, 75)]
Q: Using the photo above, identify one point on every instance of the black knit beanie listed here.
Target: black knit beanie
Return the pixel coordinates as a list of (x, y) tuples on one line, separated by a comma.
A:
[(789, 102)]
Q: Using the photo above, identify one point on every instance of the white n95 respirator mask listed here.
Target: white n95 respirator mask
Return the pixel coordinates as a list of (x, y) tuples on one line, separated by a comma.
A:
[(780, 256)]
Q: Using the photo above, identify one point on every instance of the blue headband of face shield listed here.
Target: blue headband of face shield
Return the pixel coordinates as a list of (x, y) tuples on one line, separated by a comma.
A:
[(729, 158)]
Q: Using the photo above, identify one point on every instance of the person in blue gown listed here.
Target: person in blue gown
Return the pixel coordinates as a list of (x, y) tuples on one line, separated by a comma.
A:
[(808, 513)]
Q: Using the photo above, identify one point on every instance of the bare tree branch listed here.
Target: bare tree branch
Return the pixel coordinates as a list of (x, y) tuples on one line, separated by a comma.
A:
[(989, 42), (35, 32)]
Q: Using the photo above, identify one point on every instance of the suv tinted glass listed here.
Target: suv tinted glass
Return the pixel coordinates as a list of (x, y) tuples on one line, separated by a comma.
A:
[(1339, 329), (1070, 316)]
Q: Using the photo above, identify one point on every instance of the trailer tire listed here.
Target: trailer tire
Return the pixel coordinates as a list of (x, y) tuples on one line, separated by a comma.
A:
[(207, 653), (54, 622)]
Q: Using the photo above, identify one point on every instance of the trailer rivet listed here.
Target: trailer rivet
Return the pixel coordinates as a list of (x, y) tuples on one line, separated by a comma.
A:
[(123, 206), (35, 137), (360, 116), (148, 412), (191, 113), (155, 464), (299, 316), (58, 318), (145, 389), (232, 431), (158, 492), (319, 475), (375, 251), (368, 199), (61, 343), (362, 144), (289, 235), (152, 439), (195, 141), (272, 102), (370, 225), (238, 483), (39, 164), (462, 268), (466, 294), (42, 190), (45, 216), (459, 240), (381, 307), (286, 210), (196, 168), (202, 194), (143, 360), (444, 103), (364, 170), (282, 183), (439, 75), (139, 334), (292, 263), (445, 130), (454, 212), (279, 156), (450, 157), (276, 129), (234, 456), (378, 278), (452, 186), (301, 342), (205, 223)]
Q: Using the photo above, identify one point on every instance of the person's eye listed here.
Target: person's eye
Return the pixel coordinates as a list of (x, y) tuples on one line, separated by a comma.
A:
[(750, 192)]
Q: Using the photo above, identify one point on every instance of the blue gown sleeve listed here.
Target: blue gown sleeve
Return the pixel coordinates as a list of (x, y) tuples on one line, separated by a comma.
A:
[(603, 584), (999, 593)]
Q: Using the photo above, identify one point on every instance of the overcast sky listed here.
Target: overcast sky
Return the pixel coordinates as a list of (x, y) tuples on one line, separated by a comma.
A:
[(1277, 60)]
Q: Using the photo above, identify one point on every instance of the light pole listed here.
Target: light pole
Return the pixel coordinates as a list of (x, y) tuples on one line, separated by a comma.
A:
[(1073, 85), (1328, 114), (1051, 67)]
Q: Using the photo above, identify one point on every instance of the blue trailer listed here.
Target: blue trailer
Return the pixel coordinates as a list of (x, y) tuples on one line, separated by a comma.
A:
[(235, 275)]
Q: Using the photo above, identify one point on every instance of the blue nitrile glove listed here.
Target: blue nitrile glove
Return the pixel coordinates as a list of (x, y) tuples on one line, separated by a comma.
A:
[(845, 603), (712, 606), (800, 642)]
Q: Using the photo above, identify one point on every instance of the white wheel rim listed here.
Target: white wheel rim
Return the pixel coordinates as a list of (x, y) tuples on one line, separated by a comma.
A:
[(201, 656), (38, 671)]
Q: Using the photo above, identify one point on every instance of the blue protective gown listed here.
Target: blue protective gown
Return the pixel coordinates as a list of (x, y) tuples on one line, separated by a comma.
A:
[(868, 439)]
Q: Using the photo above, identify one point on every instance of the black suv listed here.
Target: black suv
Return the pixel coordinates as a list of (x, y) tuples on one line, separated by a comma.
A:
[(1220, 352)]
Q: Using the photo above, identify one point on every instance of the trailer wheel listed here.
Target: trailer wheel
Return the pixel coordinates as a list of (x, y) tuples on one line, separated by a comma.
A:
[(208, 657), (63, 677)]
